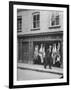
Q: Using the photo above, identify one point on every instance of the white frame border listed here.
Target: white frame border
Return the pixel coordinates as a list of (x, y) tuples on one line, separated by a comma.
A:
[(27, 82)]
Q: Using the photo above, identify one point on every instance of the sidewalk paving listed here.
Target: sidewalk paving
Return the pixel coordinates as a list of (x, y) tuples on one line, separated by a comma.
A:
[(40, 68)]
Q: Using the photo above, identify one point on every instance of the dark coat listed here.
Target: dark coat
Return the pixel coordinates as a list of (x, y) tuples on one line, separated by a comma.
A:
[(48, 58)]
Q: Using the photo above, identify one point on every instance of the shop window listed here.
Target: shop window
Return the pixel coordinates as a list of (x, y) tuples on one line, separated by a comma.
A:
[(36, 20), (19, 23), (41, 49)]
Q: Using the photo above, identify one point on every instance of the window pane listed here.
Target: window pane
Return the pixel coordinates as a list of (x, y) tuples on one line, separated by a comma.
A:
[(38, 24), (53, 20), (38, 17), (34, 18), (53, 23), (19, 23), (57, 20), (34, 24)]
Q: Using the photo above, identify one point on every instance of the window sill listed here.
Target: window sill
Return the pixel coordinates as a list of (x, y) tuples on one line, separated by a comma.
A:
[(19, 31), (34, 29), (53, 27)]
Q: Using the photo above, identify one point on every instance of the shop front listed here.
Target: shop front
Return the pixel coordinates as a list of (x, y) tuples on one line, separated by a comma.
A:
[(31, 46)]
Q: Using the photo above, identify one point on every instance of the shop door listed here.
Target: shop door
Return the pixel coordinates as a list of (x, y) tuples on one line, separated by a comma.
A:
[(25, 52)]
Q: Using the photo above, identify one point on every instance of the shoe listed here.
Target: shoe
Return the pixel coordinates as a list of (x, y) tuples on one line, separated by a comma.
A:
[(45, 67), (50, 68)]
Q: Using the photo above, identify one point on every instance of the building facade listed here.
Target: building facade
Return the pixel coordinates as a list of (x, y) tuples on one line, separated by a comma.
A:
[(37, 29)]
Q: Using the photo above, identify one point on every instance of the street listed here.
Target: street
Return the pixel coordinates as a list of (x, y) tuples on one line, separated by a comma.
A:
[(23, 74)]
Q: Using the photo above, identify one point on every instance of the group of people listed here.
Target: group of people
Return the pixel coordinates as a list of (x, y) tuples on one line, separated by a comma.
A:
[(50, 56)]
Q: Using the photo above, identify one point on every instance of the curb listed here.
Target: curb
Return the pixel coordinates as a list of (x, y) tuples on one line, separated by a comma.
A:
[(39, 70)]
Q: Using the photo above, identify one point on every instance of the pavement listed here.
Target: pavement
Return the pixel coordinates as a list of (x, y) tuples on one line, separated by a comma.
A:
[(40, 68)]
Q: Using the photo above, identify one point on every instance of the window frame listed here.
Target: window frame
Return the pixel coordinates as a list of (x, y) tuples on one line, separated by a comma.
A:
[(55, 21), (19, 23), (37, 20)]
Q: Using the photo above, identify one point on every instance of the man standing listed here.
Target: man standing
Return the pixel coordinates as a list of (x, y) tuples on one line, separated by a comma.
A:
[(48, 57)]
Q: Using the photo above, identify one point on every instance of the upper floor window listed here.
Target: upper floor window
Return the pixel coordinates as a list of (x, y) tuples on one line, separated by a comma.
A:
[(54, 20), (36, 20), (19, 23)]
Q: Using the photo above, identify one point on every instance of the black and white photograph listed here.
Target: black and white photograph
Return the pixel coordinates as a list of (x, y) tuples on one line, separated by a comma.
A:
[(39, 44)]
